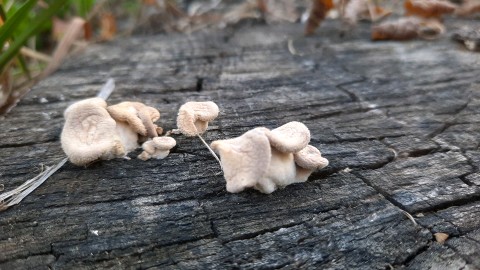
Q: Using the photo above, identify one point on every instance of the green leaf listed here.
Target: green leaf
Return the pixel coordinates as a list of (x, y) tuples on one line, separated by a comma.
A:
[(8, 28), (37, 23), (85, 6), (21, 59)]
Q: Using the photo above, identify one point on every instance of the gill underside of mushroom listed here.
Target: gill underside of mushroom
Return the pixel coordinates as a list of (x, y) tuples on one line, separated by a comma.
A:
[(149, 125)]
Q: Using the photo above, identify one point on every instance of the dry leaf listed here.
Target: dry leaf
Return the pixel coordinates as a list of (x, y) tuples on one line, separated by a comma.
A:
[(468, 8), (406, 29), (318, 12), (441, 237), (428, 8), (5, 87), (108, 26), (280, 10), (363, 10)]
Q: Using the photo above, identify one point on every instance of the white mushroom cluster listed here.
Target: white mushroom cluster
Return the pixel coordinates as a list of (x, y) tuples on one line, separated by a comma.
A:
[(261, 158), (266, 159), (94, 131)]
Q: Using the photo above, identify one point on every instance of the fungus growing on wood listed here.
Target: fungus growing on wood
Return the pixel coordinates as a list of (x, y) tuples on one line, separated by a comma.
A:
[(193, 118), (87, 134), (266, 160), (158, 147), (139, 117)]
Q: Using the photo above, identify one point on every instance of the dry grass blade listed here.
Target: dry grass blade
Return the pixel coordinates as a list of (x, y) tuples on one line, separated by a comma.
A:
[(318, 12), (35, 55), (15, 196), (74, 29)]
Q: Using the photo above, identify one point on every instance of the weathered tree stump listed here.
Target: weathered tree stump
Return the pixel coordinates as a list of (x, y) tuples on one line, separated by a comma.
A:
[(398, 122)]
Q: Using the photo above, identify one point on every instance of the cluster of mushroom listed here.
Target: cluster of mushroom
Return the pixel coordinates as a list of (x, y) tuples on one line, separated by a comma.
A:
[(266, 159), (94, 131), (262, 159)]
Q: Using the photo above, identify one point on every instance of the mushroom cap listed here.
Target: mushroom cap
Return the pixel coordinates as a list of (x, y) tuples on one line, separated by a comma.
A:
[(193, 117), (158, 147), (289, 138), (139, 117), (164, 143), (87, 133), (245, 159), (310, 158)]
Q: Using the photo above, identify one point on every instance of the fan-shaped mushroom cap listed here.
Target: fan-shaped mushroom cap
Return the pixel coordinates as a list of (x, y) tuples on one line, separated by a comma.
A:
[(310, 158), (139, 117), (289, 138), (266, 160), (193, 117), (158, 147), (87, 133), (245, 159)]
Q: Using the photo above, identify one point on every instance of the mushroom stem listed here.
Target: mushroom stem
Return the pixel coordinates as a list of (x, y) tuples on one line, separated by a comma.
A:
[(211, 151)]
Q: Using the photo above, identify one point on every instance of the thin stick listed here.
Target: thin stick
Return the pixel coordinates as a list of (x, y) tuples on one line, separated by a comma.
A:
[(412, 219), (10, 198), (211, 151)]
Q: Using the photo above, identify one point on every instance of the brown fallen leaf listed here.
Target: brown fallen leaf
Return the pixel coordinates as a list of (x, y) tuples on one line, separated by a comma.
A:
[(428, 8), (5, 87), (108, 26), (468, 8), (441, 237), (318, 12), (407, 28), (363, 10)]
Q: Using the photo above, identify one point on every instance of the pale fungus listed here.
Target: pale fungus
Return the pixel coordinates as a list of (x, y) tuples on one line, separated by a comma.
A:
[(139, 117), (158, 147), (266, 160), (193, 117), (87, 134)]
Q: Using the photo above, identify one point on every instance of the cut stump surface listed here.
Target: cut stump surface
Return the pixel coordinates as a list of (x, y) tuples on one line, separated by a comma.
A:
[(399, 123)]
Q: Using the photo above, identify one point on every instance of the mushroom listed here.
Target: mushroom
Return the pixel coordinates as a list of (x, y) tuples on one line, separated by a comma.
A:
[(244, 159), (87, 134), (266, 159), (308, 160), (289, 138), (138, 116), (193, 117), (158, 147)]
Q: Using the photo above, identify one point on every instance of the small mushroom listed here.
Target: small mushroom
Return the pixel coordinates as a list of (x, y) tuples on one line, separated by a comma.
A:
[(309, 159), (193, 117), (265, 160), (87, 134), (289, 138), (158, 147), (139, 117)]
